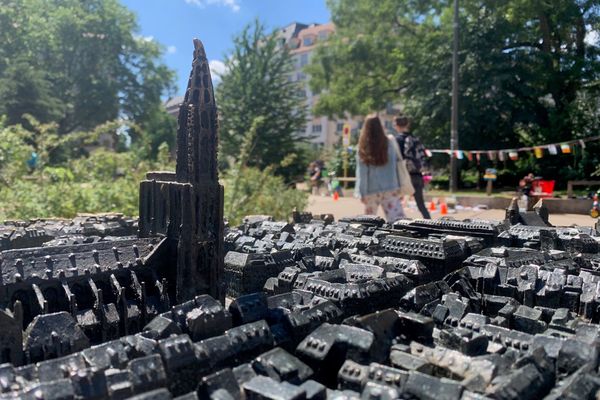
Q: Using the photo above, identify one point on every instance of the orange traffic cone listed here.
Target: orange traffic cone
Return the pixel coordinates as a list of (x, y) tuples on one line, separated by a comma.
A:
[(432, 206), (336, 196), (443, 209)]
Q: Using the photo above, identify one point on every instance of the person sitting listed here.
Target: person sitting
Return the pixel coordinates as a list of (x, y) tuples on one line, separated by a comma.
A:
[(526, 184)]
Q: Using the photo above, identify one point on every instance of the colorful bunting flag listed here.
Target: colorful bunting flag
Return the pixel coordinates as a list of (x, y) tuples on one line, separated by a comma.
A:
[(513, 154)]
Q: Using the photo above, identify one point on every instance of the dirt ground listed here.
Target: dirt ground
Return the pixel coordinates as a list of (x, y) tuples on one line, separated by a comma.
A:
[(349, 206)]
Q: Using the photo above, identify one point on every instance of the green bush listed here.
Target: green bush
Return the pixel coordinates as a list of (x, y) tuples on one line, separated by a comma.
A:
[(85, 185), (440, 182), (336, 162), (108, 181), (469, 178), (103, 181), (252, 191)]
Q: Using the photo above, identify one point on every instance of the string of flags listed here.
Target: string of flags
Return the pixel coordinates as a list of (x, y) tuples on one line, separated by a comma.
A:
[(513, 154)]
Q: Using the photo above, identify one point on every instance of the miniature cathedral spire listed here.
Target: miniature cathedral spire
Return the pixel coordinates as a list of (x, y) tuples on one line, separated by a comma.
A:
[(197, 129)]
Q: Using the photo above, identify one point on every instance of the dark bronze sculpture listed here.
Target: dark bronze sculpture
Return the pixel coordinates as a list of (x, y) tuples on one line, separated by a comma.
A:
[(317, 309), (187, 206), (110, 288)]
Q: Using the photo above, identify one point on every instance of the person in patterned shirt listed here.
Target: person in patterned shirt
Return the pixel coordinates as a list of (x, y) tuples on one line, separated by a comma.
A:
[(413, 152)]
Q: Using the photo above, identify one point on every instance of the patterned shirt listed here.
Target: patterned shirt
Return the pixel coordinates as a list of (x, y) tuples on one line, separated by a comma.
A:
[(413, 152)]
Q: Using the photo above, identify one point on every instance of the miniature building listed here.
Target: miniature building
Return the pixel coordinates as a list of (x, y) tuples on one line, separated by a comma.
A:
[(111, 288), (187, 206), (354, 309)]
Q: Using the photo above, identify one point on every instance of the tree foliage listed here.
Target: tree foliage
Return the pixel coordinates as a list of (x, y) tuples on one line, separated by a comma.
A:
[(79, 64), (107, 181), (255, 85), (259, 192), (529, 69), (249, 190)]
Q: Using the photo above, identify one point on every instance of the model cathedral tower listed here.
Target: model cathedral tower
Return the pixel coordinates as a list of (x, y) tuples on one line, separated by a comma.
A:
[(187, 206)]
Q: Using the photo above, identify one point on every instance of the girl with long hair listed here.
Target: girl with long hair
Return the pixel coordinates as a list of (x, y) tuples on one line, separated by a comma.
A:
[(377, 181)]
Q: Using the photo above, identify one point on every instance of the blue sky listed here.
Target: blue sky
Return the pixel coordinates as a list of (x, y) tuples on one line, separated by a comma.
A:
[(174, 23)]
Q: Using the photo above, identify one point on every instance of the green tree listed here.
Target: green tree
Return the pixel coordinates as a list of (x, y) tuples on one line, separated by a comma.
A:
[(102, 181), (25, 89), (255, 85), (157, 129), (14, 153), (78, 64), (249, 190), (106, 181), (527, 73)]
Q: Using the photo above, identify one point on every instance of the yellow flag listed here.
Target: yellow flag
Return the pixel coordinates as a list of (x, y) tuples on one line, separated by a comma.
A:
[(539, 152)]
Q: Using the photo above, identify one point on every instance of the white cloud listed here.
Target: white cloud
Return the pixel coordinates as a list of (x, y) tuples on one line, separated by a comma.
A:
[(143, 38), (592, 38), (217, 69), (232, 4), (171, 50)]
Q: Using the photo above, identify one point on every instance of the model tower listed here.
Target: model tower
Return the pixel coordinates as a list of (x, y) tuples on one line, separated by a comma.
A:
[(187, 206)]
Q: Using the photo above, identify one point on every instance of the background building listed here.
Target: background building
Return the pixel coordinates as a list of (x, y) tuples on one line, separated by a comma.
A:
[(173, 104), (302, 39), (322, 131)]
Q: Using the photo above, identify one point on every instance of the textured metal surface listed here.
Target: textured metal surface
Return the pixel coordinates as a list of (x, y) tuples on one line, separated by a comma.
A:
[(354, 309), (69, 284)]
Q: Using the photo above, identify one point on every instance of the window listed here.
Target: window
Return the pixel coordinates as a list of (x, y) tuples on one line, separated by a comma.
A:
[(5, 358), (308, 41), (300, 76), (302, 93), (388, 124), (323, 34), (339, 127), (316, 128), (303, 59)]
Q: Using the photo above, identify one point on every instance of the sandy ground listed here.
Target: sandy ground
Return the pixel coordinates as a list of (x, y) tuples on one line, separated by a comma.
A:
[(349, 206)]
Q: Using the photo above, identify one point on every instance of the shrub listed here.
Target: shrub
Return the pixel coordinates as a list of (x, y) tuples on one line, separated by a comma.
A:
[(108, 181), (252, 191), (336, 162), (83, 186)]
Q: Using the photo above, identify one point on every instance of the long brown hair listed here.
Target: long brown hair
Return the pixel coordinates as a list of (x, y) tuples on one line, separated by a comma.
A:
[(373, 143)]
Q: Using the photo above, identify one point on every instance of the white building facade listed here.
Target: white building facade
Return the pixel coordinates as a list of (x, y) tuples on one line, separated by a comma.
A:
[(322, 131)]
